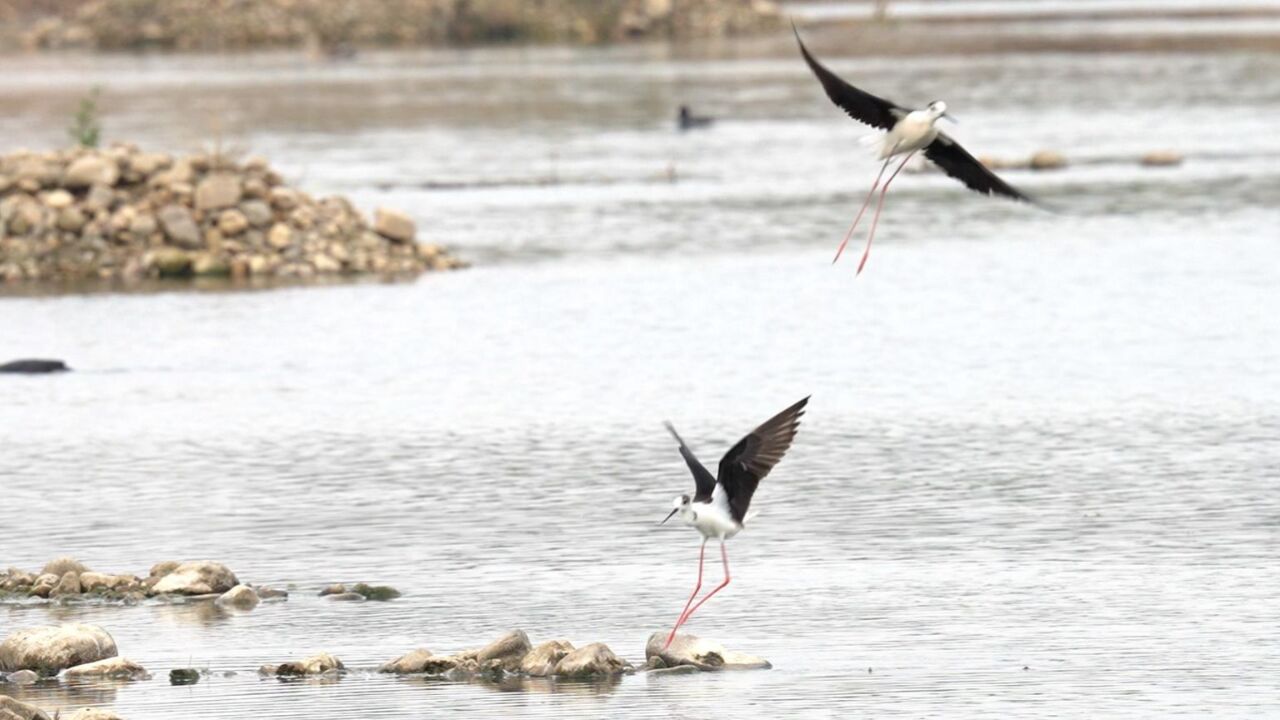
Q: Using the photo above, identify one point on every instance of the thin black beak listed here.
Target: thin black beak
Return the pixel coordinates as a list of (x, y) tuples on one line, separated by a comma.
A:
[(668, 517)]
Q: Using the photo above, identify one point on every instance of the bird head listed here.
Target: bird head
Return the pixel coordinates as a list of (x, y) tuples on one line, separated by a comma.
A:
[(680, 504), (938, 109)]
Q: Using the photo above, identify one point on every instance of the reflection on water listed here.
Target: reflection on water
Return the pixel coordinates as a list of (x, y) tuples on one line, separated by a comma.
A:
[(1037, 440)]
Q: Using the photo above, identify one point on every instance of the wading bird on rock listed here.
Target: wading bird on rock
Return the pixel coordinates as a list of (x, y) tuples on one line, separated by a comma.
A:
[(718, 508), (906, 133)]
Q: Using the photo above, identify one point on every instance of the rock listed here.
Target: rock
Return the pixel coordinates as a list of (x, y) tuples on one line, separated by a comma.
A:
[(197, 578), (210, 265), (240, 596), (91, 170), (347, 597), (701, 653), (394, 225), (91, 581), (142, 227), (280, 236), (1047, 160), (22, 677), (180, 227), (283, 198), (59, 199), (334, 589), (146, 164), (414, 662), (376, 592), (184, 676), (172, 263), (232, 222), (100, 197), (63, 565), (590, 661), (33, 367), (1162, 158), (116, 668), (164, 567), (11, 709), (314, 665), (69, 584), (257, 212), (505, 653), (267, 593), (217, 191), (93, 714), (45, 584), (50, 649), (541, 661), (71, 219)]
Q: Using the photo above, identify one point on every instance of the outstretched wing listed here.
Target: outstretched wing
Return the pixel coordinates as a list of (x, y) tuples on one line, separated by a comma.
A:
[(701, 476), (860, 105), (955, 161), (748, 462)]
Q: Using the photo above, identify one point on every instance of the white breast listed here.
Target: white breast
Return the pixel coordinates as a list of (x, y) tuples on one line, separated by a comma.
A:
[(713, 519), (913, 132)]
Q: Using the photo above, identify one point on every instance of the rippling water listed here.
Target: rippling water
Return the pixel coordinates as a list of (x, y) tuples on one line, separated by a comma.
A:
[(1038, 476)]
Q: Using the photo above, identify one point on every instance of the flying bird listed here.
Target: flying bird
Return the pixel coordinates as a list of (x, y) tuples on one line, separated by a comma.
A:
[(906, 132), (718, 508)]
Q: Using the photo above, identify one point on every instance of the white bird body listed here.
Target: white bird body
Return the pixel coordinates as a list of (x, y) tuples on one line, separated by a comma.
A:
[(712, 519), (917, 129)]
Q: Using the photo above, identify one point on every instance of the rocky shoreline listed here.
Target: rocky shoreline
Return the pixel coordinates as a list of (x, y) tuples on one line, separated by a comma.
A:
[(334, 28), (124, 215)]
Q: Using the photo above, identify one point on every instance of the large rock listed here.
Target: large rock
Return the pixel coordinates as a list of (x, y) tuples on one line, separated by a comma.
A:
[(591, 661), (196, 578), (217, 191), (116, 668), (69, 584), (504, 654), (50, 649), (180, 227), (413, 662), (394, 225), (542, 660), (62, 566), (11, 709), (240, 596), (699, 652), (91, 170)]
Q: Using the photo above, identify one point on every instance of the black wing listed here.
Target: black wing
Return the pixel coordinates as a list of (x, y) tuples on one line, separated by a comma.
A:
[(746, 463), (861, 106), (701, 476), (955, 161)]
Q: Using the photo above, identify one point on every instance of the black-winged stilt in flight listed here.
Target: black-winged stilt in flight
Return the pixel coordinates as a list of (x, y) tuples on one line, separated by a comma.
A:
[(719, 505), (906, 132)]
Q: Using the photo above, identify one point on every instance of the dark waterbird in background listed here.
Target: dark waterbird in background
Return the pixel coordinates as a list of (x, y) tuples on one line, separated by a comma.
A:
[(719, 505), (906, 132), (32, 367), (688, 121)]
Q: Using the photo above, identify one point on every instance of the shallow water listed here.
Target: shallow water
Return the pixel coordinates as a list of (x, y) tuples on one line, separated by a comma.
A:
[(1038, 476)]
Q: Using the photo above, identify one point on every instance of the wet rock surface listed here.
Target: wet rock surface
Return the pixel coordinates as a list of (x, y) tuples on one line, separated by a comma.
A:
[(591, 661), (318, 664), (115, 668), (701, 653), (513, 655), (202, 577), (123, 215), (13, 709), (53, 648), (241, 597)]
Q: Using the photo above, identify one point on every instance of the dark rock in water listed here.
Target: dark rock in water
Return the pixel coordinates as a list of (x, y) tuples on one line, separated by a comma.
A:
[(34, 366), (184, 676), (376, 592), (698, 652), (347, 597)]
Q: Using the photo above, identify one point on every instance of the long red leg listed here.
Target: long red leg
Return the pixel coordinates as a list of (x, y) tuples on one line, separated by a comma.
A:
[(865, 203), (724, 557), (880, 206), (702, 552)]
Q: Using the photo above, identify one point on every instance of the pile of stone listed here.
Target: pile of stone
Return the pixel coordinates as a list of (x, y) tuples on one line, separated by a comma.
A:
[(121, 214), (359, 592), (513, 654), (333, 27), (67, 579)]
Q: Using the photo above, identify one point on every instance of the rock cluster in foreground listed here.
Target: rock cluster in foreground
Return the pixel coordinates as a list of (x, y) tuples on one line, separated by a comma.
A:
[(513, 654), (124, 215), (68, 579)]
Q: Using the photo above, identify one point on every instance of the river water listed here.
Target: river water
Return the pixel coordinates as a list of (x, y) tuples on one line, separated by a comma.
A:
[(1039, 473)]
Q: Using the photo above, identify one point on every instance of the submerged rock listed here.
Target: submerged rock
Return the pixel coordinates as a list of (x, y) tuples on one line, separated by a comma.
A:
[(117, 668), (21, 677), (315, 665), (591, 661), (33, 366), (196, 578), (12, 709), (184, 676), (266, 593), (347, 597), (242, 597), (376, 592), (701, 653), (541, 661), (50, 649)]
